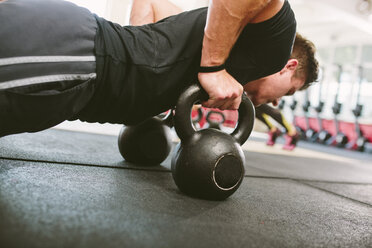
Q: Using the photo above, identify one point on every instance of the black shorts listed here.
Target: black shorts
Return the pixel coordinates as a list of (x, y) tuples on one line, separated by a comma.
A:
[(142, 70), (47, 63)]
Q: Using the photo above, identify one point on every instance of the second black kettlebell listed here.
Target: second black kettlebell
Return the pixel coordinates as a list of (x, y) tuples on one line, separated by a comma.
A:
[(209, 163), (147, 143)]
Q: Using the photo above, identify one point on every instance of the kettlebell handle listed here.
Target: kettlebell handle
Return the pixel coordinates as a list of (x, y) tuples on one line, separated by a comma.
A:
[(182, 118)]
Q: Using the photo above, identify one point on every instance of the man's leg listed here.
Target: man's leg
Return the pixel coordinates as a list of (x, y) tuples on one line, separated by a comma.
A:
[(291, 137), (274, 132), (277, 116), (47, 64), (150, 11)]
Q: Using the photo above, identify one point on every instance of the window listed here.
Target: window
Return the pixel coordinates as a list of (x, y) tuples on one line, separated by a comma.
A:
[(367, 74), (367, 62), (345, 55), (367, 53), (324, 55)]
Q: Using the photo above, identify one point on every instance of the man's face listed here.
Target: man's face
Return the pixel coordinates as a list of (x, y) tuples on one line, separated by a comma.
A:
[(271, 88)]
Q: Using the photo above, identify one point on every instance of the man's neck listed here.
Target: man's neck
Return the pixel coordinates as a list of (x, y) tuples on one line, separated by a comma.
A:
[(269, 11)]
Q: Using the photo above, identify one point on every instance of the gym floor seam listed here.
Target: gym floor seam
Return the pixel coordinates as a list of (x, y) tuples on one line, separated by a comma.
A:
[(168, 171), (300, 181), (333, 193)]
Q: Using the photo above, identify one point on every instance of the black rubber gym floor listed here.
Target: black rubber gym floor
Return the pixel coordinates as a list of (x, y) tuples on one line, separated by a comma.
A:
[(70, 189)]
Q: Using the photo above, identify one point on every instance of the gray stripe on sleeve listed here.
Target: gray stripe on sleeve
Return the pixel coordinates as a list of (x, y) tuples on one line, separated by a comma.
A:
[(45, 79), (45, 59)]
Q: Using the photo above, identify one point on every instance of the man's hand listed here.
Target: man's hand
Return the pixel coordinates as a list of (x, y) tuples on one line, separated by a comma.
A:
[(223, 90)]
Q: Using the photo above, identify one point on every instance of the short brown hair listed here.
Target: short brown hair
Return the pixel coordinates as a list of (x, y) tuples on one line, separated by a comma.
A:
[(308, 66)]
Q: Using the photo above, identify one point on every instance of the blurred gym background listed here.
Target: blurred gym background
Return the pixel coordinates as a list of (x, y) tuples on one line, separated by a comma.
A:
[(342, 33)]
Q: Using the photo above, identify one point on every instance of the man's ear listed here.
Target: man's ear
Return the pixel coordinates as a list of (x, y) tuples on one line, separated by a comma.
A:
[(291, 65)]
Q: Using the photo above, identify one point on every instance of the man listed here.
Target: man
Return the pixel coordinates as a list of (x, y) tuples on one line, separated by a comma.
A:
[(60, 62), (150, 11)]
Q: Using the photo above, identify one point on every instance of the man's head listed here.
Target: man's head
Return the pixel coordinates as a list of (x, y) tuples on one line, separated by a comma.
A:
[(298, 74)]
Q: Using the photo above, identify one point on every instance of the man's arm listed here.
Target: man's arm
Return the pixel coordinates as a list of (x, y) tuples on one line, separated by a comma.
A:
[(225, 21)]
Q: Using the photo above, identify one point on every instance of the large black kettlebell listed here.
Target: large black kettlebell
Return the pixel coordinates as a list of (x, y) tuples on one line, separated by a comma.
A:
[(209, 163), (147, 143)]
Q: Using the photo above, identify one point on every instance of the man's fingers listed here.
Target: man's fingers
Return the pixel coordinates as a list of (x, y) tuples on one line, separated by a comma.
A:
[(212, 103), (236, 103), (231, 104), (226, 104)]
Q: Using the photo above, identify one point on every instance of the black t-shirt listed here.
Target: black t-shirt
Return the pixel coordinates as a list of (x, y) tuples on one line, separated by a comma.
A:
[(263, 48), (143, 69)]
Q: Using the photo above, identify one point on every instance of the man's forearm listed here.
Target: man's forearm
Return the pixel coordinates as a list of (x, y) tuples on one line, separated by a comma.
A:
[(226, 19)]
